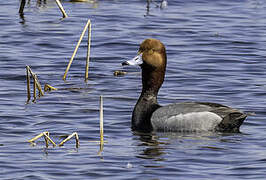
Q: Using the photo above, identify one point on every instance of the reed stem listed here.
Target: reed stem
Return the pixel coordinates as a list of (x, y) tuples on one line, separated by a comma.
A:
[(34, 87), (76, 49), (46, 140), (47, 136), (101, 120), (28, 82), (38, 85), (77, 140), (36, 137), (88, 52), (48, 87), (61, 8), (69, 137), (22, 5), (37, 81)]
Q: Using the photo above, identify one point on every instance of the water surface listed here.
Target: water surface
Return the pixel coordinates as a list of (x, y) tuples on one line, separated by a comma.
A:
[(215, 53)]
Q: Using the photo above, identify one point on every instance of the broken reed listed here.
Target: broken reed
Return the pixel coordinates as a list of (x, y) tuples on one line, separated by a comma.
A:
[(87, 26), (36, 83), (47, 139), (22, 5), (23, 2), (101, 120), (28, 82), (61, 8), (69, 137), (48, 87)]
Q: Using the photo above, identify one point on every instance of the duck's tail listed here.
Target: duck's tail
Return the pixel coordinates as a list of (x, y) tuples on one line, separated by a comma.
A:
[(232, 122)]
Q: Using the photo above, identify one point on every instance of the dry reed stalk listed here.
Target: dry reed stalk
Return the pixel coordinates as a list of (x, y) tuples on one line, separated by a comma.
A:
[(47, 136), (46, 140), (100, 150), (28, 82), (36, 137), (37, 81), (38, 85), (34, 87), (22, 5), (61, 8), (69, 137), (101, 120), (76, 49), (77, 140), (48, 87), (101, 125), (88, 52)]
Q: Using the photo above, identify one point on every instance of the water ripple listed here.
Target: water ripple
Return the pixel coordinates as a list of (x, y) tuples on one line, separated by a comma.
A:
[(215, 53)]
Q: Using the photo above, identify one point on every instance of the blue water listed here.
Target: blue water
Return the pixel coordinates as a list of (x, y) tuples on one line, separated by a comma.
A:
[(216, 53)]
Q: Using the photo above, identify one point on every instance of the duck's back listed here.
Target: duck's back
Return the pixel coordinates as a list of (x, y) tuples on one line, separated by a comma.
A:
[(197, 116)]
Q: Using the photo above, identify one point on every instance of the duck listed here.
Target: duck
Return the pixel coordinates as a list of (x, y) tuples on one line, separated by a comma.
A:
[(149, 116)]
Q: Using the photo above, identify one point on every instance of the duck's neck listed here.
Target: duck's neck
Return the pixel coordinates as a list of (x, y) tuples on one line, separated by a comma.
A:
[(147, 102)]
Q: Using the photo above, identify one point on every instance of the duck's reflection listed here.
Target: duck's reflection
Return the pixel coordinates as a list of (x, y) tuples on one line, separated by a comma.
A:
[(154, 146)]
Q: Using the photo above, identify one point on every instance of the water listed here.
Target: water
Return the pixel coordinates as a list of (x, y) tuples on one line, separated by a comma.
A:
[(215, 53)]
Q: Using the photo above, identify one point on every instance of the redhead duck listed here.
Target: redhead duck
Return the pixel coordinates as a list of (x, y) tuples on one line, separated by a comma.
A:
[(149, 116)]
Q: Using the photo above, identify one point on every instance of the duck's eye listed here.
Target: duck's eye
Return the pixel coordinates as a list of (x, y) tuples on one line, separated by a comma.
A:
[(141, 50), (150, 51)]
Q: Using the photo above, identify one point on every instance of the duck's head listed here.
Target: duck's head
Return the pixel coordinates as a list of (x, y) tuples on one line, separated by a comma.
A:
[(151, 53), (152, 60)]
